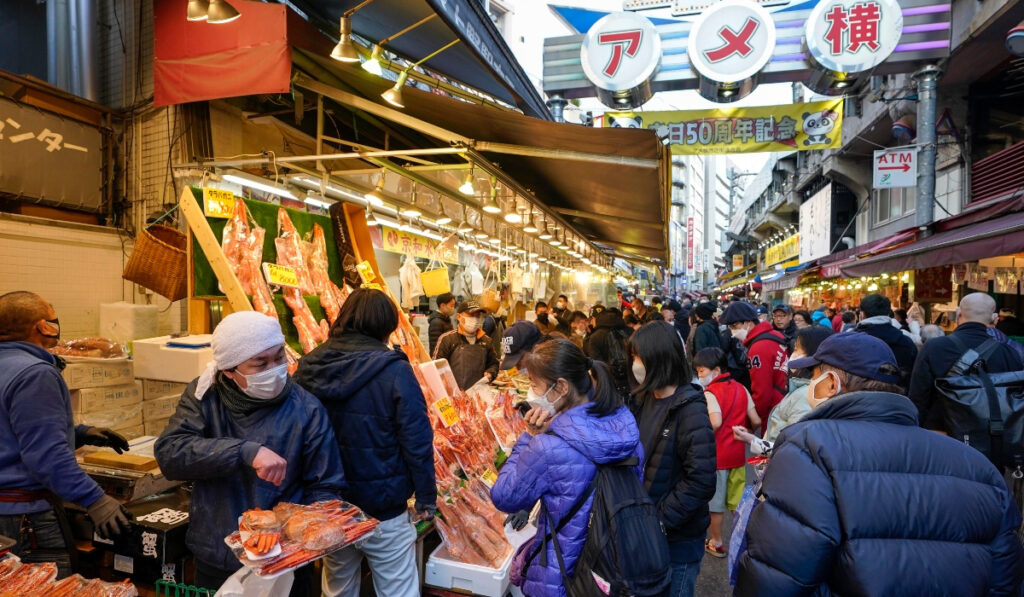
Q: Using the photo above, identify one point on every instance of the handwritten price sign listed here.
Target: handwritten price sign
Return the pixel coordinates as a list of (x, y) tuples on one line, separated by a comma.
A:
[(446, 411), (280, 275), (219, 203)]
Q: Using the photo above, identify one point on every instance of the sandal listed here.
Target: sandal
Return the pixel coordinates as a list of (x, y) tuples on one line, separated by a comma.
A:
[(717, 551)]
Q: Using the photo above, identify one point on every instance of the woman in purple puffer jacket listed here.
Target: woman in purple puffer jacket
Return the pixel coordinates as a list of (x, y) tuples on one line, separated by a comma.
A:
[(574, 399)]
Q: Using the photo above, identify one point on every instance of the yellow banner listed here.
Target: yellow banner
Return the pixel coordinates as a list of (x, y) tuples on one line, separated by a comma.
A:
[(794, 127), (400, 241), (783, 251)]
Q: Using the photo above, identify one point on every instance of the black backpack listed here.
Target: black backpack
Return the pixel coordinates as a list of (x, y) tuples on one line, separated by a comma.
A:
[(626, 551), (984, 410)]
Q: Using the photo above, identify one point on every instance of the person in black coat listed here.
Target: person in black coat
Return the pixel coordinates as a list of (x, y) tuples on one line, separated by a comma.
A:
[(782, 322), (440, 321), (875, 321), (679, 446), (939, 355), (858, 500), (673, 313), (383, 431), (707, 335), (607, 343)]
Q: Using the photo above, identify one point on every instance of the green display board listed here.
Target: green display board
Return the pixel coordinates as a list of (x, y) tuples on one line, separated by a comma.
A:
[(265, 215)]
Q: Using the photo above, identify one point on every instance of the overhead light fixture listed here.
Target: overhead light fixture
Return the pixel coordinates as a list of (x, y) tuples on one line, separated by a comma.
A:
[(513, 217), (393, 95), (492, 206), (481, 234), (545, 234), (463, 228), (412, 211), (221, 12), (372, 64), (442, 220), (467, 187), (530, 227), (376, 196), (198, 10), (258, 184), (345, 50), (371, 220)]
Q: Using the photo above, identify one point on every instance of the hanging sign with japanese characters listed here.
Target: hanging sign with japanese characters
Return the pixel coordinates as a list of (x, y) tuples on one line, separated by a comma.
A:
[(48, 158), (852, 36), (394, 240), (794, 127)]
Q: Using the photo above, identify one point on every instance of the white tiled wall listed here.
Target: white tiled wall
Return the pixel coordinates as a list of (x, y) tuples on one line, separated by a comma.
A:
[(75, 268)]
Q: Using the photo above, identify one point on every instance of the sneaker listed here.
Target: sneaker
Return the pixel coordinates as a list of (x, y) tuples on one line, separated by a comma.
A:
[(717, 551)]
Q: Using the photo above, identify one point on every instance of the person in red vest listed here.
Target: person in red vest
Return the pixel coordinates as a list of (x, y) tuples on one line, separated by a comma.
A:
[(729, 405), (766, 356)]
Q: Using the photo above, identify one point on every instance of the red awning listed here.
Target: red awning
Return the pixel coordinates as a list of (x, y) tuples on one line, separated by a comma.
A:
[(831, 266), (993, 238)]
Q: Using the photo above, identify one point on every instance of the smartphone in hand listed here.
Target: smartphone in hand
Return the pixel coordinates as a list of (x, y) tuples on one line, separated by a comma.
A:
[(523, 408)]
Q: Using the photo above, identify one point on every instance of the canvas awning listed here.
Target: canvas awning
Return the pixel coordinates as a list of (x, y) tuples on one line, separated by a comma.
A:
[(612, 185), (832, 265), (992, 238)]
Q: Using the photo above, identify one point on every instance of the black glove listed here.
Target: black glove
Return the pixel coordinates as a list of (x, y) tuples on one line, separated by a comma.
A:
[(518, 520), (109, 517), (426, 511), (101, 436)]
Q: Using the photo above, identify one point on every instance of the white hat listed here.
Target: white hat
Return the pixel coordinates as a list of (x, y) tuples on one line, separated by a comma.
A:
[(239, 337)]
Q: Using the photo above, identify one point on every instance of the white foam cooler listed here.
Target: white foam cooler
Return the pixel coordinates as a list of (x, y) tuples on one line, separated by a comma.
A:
[(443, 572), (125, 322)]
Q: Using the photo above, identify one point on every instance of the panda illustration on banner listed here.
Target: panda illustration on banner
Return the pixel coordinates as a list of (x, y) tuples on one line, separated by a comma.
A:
[(817, 126)]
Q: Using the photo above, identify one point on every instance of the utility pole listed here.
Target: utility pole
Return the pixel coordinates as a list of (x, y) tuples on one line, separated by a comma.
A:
[(927, 80)]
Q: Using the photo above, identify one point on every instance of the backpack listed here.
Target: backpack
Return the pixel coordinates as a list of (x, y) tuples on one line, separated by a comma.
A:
[(626, 551), (984, 410)]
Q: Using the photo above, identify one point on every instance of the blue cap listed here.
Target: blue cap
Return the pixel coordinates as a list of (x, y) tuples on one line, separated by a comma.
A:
[(738, 312), (856, 353), (518, 340), (762, 311)]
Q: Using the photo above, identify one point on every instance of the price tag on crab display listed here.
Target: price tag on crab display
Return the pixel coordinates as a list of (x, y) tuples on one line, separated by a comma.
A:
[(280, 275), (219, 203), (373, 286), (446, 411), (489, 478), (366, 272)]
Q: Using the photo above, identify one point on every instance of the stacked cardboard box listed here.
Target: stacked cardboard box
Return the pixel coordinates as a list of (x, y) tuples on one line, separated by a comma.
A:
[(159, 401), (105, 394)]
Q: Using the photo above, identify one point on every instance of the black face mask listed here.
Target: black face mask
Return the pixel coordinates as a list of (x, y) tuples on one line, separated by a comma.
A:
[(543, 318), (55, 322)]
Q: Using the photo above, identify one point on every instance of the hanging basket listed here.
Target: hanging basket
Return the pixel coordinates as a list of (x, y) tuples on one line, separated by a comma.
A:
[(159, 262)]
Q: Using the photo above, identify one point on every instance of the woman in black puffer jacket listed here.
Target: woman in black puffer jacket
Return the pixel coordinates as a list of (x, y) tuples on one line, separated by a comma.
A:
[(607, 343)]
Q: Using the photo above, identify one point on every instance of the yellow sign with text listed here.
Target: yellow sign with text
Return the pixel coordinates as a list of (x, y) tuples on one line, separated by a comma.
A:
[(446, 410), (218, 203), (737, 262), (489, 477), (393, 240), (794, 127), (281, 275), (783, 251)]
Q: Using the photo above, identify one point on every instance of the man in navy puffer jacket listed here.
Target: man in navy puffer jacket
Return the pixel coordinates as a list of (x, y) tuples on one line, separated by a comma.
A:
[(858, 500)]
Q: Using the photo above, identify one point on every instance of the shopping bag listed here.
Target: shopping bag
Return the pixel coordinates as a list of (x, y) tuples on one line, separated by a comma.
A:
[(738, 538), (245, 583), (435, 279)]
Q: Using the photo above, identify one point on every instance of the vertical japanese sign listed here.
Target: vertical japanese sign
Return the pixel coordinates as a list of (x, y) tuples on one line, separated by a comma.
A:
[(690, 263), (737, 262), (48, 157), (816, 225), (795, 127)]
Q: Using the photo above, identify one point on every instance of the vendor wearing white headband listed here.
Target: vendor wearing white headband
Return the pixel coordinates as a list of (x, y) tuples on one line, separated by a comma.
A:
[(248, 437)]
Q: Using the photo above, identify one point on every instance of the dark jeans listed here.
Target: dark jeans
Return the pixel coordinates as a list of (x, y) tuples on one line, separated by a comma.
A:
[(212, 578), (684, 567), (49, 543)]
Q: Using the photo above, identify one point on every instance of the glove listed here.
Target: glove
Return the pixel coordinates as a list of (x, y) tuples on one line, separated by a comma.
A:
[(518, 520), (101, 436), (426, 511), (109, 517)]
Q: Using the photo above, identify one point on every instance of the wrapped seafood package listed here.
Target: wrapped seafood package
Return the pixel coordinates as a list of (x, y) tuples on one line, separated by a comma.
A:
[(274, 542), (90, 348)]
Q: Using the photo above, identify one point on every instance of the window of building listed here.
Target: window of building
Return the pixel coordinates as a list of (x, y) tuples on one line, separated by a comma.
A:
[(892, 204)]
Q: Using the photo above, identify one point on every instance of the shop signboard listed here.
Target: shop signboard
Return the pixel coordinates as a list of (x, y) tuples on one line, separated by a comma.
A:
[(853, 36), (394, 240), (816, 225), (620, 54), (737, 262), (731, 43), (49, 158), (895, 168), (783, 251), (690, 262), (791, 127)]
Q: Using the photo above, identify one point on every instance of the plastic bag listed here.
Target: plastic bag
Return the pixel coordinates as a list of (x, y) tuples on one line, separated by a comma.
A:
[(245, 583), (738, 538)]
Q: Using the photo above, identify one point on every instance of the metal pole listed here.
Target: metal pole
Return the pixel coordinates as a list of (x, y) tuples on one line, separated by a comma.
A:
[(927, 99), (557, 105)]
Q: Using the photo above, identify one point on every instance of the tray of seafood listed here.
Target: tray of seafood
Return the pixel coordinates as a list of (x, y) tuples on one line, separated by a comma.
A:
[(20, 579), (290, 536)]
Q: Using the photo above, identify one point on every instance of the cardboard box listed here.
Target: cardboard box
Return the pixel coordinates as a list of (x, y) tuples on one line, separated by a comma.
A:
[(155, 388), (132, 432), (160, 408), (155, 427), (90, 400), (156, 537), (155, 360), (120, 418), (98, 373)]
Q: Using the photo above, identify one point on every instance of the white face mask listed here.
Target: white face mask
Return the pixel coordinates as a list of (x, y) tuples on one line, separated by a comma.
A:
[(541, 401), (740, 334), (639, 371), (814, 402), (266, 384), (706, 380), (471, 324)]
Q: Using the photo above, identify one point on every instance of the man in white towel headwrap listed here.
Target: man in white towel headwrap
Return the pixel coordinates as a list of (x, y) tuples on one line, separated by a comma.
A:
[(248, 437)]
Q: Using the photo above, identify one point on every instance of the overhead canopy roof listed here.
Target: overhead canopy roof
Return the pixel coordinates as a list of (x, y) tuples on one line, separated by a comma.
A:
[(482, 61), (611, 185)]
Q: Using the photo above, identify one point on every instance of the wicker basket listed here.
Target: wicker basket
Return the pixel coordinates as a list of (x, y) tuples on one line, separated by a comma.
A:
[(159, 262)]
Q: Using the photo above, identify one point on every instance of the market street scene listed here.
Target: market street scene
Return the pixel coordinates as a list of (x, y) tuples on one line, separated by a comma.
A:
[(511, 298)]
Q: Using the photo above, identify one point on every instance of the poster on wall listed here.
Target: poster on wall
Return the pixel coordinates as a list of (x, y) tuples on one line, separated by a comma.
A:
[(816, 225)]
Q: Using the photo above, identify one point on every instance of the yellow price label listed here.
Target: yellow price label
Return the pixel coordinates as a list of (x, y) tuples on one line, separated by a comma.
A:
[(446, 410), (373, 286), (280, 275), (219, 203), (366, 272), (489, 477)]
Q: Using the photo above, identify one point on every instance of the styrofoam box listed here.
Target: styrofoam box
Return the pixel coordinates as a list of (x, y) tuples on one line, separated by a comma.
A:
[(126, 416), (154, 388), (155, 360), (125, 322), (160, 408), (89, 400), (97, 373), (443, 572)]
